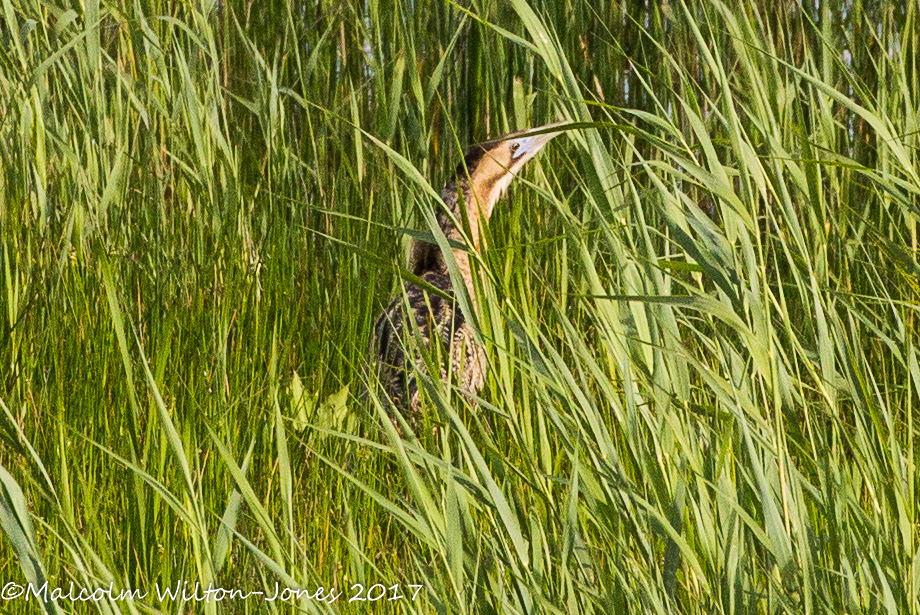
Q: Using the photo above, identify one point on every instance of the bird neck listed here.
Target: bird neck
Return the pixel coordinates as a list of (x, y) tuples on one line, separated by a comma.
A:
[(464, 206)]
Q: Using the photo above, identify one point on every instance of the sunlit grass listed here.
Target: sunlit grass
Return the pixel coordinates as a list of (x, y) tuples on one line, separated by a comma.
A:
[(699, 306)]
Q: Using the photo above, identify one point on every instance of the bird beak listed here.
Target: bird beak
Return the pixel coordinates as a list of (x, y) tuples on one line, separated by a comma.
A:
[(531, 143)]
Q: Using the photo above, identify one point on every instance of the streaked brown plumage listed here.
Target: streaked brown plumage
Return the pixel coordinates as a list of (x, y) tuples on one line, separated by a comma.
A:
[(480, 181)]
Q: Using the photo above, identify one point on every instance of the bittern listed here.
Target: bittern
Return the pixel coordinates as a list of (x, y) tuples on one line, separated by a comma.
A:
[(471, 195)]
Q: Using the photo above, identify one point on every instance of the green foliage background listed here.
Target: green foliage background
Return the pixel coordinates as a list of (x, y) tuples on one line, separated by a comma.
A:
[(700, 305)]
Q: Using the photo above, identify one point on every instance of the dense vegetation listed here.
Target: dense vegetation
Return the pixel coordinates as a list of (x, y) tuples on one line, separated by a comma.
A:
[(700, 306)]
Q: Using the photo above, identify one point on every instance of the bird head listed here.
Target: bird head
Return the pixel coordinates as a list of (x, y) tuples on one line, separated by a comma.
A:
[(491, 166)]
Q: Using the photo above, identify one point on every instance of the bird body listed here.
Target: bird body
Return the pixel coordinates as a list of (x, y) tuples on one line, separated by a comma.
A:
[(420, 317)]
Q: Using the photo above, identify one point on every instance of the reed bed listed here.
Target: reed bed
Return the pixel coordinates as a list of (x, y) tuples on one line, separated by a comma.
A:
[(700, 305)]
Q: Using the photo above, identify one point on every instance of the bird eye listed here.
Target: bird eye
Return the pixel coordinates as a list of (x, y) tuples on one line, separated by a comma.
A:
[(515, 146)]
